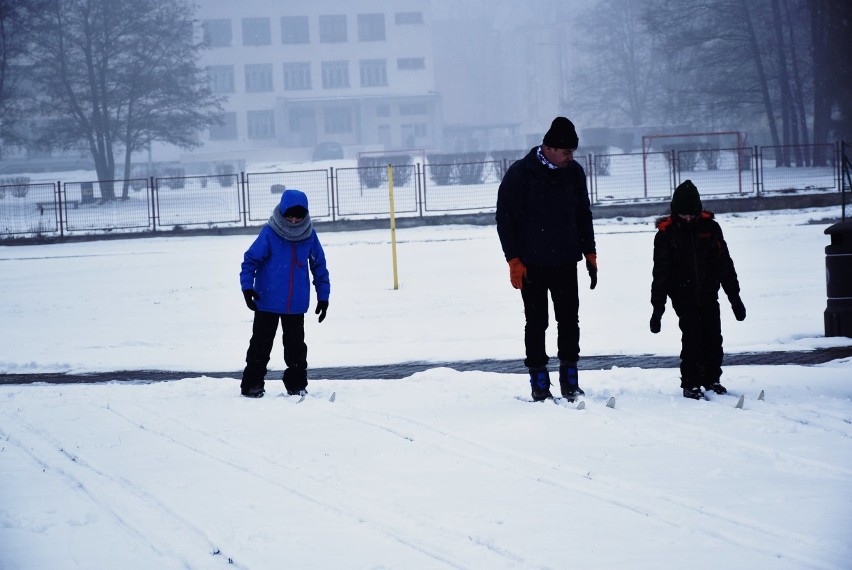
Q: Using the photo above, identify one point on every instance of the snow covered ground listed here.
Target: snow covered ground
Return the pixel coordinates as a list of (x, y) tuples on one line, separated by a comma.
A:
[(443, 469)]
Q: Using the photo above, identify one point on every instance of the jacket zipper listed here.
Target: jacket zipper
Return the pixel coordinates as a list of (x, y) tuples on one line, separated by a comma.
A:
[(695, 268), (292, 272)]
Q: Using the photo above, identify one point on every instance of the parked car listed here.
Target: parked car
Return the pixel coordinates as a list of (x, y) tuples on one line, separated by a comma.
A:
[(327, 151)]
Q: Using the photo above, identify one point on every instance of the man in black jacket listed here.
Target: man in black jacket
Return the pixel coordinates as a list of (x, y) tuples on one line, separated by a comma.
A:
[(544, 221), (691, 261)]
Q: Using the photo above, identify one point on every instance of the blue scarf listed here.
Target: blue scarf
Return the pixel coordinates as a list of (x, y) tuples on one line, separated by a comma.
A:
[(544, 161)]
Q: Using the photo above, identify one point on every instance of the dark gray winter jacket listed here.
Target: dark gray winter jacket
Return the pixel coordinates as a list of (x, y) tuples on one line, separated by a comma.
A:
[(543, 215)]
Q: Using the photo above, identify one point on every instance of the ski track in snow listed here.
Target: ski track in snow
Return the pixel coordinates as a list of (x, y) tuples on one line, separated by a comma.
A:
[(130, 500), (127, 499), (387, 524), (611, 493)]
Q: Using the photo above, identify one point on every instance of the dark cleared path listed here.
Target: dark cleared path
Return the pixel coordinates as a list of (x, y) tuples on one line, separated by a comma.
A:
[(405, 369)]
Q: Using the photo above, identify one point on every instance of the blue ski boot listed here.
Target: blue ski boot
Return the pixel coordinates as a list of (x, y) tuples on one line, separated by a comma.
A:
[(569, 382), (540, 384)]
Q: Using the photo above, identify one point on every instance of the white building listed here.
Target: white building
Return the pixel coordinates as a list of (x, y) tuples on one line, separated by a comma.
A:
[(360, 74)]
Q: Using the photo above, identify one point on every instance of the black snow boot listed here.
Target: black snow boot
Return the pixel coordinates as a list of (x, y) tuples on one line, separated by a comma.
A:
[(569, 382), (716, 387), (693, 392), (295, 380), (253, 392), (540, 384)]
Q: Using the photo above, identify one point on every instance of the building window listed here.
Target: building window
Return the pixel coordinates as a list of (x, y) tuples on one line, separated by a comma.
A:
[(383, 111), (416, 129), (294, 30), (408, 18), (256, 32), (260, 124), (338, 120), (226, 130), (297, 76), (404, 63), (217, 33), (332, 29), (371, 27), (414, 109), (221, 78), (258, 77), (374, 73), (335, 74), (300, 119)]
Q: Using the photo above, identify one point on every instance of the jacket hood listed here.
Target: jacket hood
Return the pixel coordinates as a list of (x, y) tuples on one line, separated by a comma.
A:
[(663, 222), (291, 198), (686, 199)]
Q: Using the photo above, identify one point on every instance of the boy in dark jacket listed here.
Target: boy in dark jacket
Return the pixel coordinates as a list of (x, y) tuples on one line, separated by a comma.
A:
[(691, 262), (276, 286), (544, 221)]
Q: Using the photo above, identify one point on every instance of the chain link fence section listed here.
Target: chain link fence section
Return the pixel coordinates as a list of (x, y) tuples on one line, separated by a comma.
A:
[(198, 200), (48, 209), (94, 213), (263, 192), (29, 209), (470, 186), (365, 191), (727, 171)]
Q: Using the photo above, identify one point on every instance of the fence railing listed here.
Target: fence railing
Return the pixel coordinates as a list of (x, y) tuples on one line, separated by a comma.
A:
[(248, 198)]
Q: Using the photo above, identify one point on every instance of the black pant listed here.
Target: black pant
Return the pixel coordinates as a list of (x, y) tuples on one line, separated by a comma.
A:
[(701, 343), (561, 283), (260, 347)]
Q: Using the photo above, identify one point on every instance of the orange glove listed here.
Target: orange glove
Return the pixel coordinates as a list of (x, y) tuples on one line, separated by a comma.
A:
[(592, 268), (517, 272)]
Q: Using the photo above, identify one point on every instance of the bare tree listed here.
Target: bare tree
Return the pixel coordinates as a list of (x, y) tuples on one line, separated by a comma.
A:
[(723, 66), (621, 76), (831, 30), (14, 29), (118, 74)]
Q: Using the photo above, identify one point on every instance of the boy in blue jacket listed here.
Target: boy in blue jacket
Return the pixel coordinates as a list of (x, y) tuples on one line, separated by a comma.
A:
[(276, 286)]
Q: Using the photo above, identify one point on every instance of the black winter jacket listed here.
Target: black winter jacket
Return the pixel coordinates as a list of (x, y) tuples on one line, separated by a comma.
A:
[(691, 261), (543, 215)]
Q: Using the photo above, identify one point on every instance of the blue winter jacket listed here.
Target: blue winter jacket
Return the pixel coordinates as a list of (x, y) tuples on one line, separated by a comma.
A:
[(277, 269)]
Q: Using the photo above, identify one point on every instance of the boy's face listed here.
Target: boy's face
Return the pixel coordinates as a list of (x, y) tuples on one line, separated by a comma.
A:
[(294, 219), (686, 217)]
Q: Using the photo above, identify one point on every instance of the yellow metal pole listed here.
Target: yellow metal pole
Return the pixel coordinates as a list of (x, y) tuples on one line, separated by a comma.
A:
[(393, 227)]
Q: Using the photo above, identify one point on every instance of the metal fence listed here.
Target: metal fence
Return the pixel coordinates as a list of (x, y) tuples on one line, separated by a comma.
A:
[(247, 199)]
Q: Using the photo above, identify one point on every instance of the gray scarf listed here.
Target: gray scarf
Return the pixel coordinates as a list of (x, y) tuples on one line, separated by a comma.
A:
[(289, 231)]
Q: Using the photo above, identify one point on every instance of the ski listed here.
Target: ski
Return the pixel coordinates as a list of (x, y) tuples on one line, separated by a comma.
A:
[(740, 403), (565, 402), (304, 394)]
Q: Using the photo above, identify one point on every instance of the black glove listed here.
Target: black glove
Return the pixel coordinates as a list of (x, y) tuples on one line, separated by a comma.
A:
[(250, 295), (592, 268), (322, 307), (656, 319), (739, 308)]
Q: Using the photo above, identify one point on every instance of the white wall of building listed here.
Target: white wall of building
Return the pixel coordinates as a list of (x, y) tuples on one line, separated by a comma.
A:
[(389, 103)]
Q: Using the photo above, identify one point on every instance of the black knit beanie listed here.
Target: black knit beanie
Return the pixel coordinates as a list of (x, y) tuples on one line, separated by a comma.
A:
[(561, 134), (686, 199), (296, 212)]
